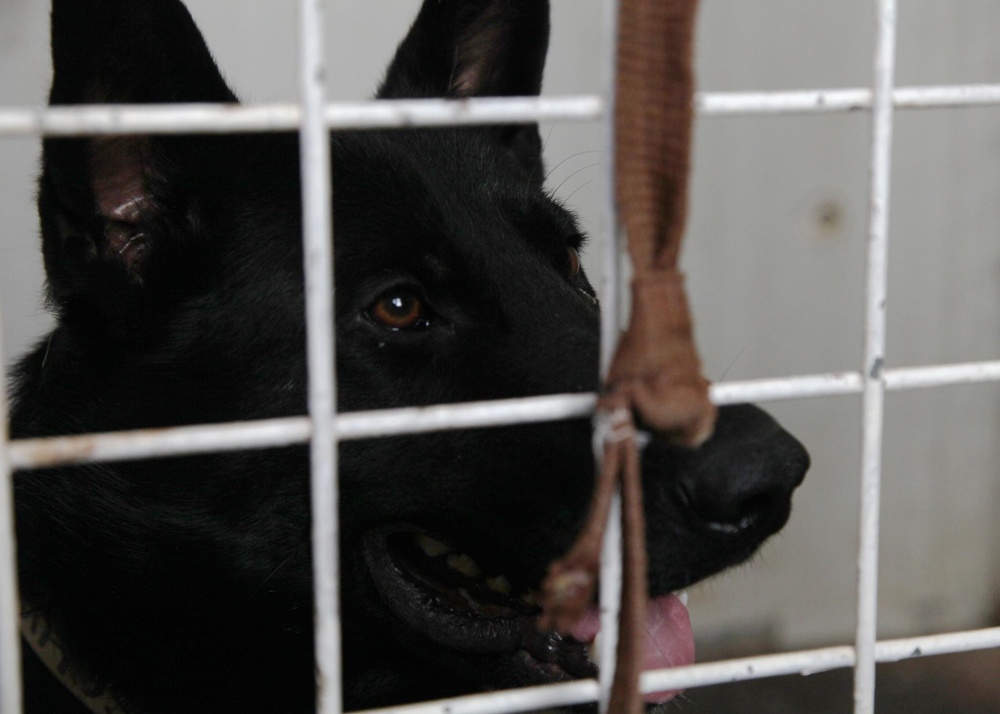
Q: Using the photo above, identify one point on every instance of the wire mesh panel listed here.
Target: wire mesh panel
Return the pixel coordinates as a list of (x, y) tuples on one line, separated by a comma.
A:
[(324, 429)]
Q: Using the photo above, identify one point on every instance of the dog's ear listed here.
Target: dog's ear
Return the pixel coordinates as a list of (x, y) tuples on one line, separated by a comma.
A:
[(110, 205), (476, 48), (471, 48)]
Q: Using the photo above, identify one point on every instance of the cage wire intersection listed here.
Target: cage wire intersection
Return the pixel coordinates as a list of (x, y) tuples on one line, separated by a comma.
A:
[(323, 428)]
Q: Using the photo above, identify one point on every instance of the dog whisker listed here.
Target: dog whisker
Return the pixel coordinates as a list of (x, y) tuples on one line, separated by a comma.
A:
[(548, 134), (582, 185), (569, 158), (732, 363), (579, 170), (270, 575)]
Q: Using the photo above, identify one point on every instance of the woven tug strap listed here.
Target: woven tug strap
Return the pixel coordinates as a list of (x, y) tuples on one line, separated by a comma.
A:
[(656, 372)]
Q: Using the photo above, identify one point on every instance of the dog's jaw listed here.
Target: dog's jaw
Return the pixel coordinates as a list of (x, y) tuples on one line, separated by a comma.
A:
[(445, 598)]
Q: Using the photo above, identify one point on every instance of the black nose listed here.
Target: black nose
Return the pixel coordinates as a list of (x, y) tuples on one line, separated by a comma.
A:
[(742, 478)]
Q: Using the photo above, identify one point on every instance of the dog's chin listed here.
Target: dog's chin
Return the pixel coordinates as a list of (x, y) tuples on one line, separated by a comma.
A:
[(443, 596)]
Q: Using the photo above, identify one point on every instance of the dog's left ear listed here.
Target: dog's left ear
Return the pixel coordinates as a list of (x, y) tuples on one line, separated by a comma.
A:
[(117, 211), (476, 48)]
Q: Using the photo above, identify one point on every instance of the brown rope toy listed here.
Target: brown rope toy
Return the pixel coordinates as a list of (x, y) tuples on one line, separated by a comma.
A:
[(656, 371)]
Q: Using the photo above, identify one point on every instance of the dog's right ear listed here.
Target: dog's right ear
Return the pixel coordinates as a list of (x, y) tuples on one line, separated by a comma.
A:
[(477, 48), (115, 210), (471, 48)]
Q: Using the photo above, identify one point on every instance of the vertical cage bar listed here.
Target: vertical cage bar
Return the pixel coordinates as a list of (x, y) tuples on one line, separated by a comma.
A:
[(611, 550), (610, 251), (610, 593), (318, 257), (10, 615), (874, 384)]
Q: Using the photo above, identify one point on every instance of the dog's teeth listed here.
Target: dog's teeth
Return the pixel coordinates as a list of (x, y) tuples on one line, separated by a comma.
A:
[(594, 648), (464, 564), (683, 597), (500, 584), (431, 547)]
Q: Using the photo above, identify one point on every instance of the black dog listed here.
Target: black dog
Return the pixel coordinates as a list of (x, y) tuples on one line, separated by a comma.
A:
[(175, 269)]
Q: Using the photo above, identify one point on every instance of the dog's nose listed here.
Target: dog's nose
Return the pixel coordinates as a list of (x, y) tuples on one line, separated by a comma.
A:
[(743, 477)]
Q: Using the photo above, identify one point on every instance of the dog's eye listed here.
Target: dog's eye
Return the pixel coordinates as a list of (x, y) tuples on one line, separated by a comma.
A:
[(399, 310), (574, 261)]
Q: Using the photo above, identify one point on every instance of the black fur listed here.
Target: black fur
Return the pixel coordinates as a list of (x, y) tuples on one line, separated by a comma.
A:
[(175, 270)]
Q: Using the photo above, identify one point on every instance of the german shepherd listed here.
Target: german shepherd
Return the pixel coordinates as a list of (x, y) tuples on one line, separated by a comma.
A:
[(174, 269)]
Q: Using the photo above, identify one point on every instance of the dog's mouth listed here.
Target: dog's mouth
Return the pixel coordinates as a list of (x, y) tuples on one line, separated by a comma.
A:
[(447, 598)]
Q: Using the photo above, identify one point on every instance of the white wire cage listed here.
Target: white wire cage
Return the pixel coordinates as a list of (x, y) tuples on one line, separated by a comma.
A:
[(323, 428)]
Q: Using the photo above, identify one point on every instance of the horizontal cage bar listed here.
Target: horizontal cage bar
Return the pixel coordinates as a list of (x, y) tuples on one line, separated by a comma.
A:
[(409, 113), (229, 118), (808, 662), (804, 662), (270, 433), (828, 101)]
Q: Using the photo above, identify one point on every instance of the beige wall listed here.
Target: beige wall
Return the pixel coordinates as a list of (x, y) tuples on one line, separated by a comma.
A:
[(775, 258)]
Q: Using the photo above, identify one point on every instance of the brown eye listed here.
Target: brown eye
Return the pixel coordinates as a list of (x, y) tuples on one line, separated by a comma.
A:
[(399, 311), (574, 261)]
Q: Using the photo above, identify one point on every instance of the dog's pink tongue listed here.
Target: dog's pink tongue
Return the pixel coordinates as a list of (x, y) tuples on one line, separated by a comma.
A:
[(668, 641)]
